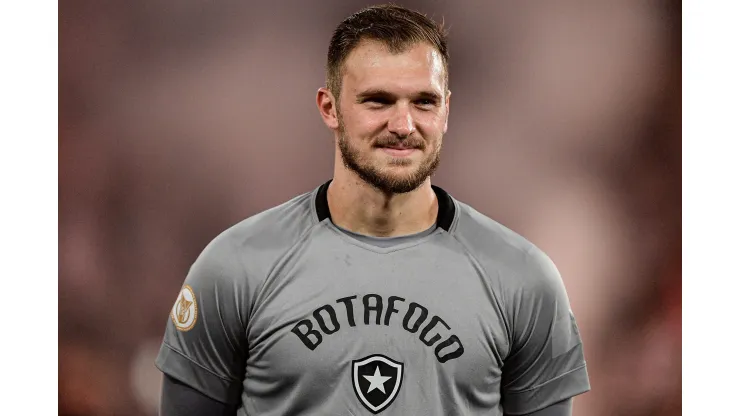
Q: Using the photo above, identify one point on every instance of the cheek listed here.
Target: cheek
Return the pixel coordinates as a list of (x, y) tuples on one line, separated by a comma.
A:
[(432, 124), (365, 124)]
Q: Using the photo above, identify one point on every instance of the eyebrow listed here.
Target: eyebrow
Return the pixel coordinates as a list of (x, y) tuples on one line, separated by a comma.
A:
[(429, 95)]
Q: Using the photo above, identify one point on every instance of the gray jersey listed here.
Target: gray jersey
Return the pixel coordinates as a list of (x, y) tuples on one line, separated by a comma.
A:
[(289, 315)]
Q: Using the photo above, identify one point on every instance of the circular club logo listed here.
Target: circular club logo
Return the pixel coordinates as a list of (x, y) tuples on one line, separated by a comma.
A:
[(185, 312)]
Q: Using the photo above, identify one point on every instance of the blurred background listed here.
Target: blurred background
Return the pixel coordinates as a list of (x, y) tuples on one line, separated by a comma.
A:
[(178, 119)]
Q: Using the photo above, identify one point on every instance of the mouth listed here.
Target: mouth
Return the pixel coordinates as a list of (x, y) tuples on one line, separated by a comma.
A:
[(398, 151)]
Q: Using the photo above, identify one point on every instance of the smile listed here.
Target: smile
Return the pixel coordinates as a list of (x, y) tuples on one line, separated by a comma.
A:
[(396, 152)]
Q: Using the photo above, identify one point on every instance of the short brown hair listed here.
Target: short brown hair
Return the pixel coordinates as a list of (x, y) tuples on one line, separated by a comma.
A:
[(395, 26)]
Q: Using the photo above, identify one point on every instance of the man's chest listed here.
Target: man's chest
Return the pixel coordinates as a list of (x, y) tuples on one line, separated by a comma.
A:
[(426, 317)]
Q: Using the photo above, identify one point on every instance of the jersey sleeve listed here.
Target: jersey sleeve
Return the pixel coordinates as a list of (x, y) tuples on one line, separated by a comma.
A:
[(546, 363), (179, 399), (204, 343)]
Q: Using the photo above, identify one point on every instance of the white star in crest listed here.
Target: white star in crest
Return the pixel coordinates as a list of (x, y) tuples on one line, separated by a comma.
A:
[(376, 381)]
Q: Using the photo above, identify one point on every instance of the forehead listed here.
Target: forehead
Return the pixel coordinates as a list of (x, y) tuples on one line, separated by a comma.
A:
[(372, 65)]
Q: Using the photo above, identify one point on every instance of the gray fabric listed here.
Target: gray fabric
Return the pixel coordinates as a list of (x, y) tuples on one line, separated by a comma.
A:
[(470, 321), (386, 242), (564, 408)]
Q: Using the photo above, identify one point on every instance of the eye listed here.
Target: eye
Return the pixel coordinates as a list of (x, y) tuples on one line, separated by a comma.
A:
[(377, 101), (426, 103)]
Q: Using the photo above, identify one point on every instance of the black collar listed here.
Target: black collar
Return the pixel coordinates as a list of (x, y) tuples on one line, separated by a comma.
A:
[(445, 214)]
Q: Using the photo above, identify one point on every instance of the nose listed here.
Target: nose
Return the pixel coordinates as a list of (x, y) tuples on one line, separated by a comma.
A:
[(402, 123)]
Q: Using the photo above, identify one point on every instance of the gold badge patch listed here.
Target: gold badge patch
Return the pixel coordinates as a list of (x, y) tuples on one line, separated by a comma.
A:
[(185, 312)]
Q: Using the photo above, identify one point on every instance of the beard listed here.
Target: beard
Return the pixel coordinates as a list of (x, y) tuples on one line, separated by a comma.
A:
[(386, 181)]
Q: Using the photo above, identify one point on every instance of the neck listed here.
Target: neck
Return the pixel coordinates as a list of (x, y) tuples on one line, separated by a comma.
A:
[(359, 207)]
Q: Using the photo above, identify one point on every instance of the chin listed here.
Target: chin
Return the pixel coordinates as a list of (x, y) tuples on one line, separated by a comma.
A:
[(400, 171), (401, 177)]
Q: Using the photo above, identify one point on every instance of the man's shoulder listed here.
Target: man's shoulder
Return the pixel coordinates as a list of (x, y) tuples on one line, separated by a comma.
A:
[(255, 243), (502, 251), (275, 227), (482, 231)]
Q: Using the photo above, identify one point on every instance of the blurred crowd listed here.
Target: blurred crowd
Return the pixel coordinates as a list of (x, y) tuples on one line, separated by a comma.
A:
[(178, 119)]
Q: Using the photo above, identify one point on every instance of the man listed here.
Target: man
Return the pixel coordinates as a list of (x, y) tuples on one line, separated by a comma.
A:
[(376, 293)]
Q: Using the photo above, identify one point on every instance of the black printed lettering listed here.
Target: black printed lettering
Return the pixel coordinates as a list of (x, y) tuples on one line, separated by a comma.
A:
[(305, 335), (377, 307), (391, 308), (429, 342), (412, 307), (450, 355), (332, 317), (350, 310)]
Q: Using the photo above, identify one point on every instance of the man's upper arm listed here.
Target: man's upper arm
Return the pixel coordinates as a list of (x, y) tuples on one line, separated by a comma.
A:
[(545, 364), (564, 408), (204, 344), (179, 399)]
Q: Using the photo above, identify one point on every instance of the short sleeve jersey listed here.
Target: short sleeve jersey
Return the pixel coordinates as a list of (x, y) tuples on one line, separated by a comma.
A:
[(285, 314)]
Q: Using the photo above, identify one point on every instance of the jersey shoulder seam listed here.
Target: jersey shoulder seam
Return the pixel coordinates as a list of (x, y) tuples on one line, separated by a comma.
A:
[(502, 302), (525, 247), (290, 243), (278, 259)]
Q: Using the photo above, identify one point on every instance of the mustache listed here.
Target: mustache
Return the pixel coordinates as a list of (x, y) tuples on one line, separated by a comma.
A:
[(395, 142)]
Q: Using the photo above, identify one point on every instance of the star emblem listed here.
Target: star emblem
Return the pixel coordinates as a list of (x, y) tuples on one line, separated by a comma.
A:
[(376, 381)]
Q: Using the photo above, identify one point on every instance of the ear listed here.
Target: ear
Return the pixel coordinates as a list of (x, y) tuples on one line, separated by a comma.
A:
[(327, 108), (447, 109)]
